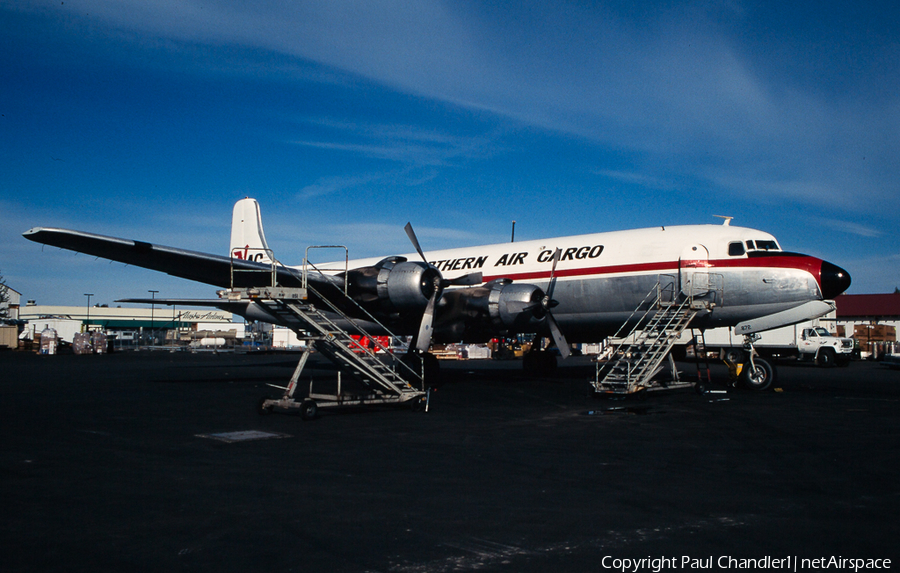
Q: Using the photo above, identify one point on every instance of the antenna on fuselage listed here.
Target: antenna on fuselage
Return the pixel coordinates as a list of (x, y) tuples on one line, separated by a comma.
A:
[(727, 219)]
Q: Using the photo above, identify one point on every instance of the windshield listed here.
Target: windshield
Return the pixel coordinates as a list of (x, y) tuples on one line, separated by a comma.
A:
[(763, 245), (822, 332)]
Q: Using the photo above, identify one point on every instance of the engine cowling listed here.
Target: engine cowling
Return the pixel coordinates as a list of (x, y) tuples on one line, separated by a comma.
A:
[(515, 306), (394, 286), (478, 313)]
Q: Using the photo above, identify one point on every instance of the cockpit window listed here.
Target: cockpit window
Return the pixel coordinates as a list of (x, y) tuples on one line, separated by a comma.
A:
[(736, 249), (763, 245)]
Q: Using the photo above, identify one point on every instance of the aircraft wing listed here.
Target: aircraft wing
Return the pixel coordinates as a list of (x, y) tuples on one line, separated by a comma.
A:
[(192, 265)]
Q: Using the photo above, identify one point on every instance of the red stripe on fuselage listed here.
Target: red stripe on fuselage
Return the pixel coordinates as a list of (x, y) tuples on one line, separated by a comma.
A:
[(811, 265)]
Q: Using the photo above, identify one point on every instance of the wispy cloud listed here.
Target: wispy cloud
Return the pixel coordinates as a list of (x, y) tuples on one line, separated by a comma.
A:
[(635, 178), (852, 228), (331, 185), (681, 83), (406, 144)]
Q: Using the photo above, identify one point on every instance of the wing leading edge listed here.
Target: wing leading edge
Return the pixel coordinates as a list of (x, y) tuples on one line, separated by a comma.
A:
[(192, 265)]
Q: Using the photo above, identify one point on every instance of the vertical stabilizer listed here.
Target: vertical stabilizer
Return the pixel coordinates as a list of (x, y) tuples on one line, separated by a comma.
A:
[(248, 242)]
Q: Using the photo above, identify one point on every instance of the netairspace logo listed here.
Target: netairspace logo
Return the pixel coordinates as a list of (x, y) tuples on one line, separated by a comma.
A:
[(726, 562)]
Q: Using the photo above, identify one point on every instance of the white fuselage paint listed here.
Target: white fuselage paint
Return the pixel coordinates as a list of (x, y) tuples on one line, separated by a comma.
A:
[(601, 278)]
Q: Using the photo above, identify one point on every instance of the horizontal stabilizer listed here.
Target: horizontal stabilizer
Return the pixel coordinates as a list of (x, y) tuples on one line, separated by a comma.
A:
[(238, 307)]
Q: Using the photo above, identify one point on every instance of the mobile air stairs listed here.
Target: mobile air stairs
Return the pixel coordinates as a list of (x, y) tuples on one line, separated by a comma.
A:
[(662, 317), (387, 379)]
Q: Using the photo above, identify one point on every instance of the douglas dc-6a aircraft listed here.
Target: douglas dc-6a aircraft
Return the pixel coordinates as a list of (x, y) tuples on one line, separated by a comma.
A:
[(577, 288)]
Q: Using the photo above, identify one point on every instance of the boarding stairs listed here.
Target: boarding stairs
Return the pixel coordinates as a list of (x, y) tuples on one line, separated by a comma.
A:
[(638, 356), (387, 378)]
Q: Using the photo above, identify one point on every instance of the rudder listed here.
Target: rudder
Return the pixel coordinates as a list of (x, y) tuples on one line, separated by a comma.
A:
[(248, 242)]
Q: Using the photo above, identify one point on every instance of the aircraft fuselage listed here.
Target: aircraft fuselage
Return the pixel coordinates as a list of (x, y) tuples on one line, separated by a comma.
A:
[(602, 278)]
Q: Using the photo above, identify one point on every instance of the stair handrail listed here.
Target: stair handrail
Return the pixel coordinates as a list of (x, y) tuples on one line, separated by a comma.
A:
[(363, 331), (268, 252), (306, 263), (646, 300)]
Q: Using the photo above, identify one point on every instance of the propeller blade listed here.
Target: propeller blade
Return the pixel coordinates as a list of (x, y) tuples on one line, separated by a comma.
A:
[(471, 279), (558, 337), (412, 237), (556, 255), (423, 339)]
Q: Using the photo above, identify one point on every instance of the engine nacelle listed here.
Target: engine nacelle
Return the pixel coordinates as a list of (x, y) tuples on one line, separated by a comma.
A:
[(515, 306), (477, 313), (393, 286)]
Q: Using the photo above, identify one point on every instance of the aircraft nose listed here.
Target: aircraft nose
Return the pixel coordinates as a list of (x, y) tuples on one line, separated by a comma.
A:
[(835, 280)]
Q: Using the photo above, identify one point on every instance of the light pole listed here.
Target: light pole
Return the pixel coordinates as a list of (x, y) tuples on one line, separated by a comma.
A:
[(87, 321), (152, 308)]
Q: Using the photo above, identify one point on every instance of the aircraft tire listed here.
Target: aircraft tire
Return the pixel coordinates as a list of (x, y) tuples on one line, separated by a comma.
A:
[(826, 358), (308, 409), (759, 378)]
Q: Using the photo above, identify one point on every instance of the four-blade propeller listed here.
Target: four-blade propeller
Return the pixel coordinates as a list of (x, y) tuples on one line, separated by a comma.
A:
[(423, 338), (540, 309)]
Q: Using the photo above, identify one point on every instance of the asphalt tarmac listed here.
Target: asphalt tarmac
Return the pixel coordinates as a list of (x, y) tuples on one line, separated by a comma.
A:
[(107, 465)]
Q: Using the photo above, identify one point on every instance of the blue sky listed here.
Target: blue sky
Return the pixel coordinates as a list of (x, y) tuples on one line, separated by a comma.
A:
[(149, 119)]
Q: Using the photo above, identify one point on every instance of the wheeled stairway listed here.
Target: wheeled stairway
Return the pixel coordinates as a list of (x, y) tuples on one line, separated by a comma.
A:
[(388, 379), (638, 356)]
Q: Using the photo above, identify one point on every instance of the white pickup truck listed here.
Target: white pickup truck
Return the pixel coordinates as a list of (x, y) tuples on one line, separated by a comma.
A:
[(819, 344), (806, 341)]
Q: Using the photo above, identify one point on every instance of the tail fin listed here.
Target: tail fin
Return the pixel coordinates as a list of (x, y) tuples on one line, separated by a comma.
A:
[(248, 242)]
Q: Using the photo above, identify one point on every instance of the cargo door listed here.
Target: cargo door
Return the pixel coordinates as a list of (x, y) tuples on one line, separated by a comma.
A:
[(693, 270)]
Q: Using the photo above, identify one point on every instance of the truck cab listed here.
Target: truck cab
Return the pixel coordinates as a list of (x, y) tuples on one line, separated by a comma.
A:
[(827, 350)]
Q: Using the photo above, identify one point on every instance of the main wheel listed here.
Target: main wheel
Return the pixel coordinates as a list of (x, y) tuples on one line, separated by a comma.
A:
[(757, 375)]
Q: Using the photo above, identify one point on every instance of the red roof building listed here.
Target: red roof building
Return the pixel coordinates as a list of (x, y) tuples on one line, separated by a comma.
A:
[(872, 307)]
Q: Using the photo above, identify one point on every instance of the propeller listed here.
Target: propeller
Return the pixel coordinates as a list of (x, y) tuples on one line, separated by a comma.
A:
[(423, 338), (549, 303), (542, 309), (470, 279)]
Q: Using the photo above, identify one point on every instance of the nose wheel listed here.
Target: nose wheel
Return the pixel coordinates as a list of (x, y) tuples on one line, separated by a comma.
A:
[(749, 369)]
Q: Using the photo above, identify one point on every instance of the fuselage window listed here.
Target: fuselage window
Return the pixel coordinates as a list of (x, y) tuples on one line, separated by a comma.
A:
[(735, 249)]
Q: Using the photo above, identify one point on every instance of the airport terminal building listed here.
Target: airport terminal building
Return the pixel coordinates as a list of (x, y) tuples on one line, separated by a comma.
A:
[(131, 325)]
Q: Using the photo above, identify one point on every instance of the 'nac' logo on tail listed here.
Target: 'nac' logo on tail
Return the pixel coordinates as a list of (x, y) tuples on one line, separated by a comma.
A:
[(245, 255)]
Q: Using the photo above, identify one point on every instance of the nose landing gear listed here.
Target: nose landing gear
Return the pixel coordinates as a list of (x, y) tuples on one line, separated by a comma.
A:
[(746, 367)]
